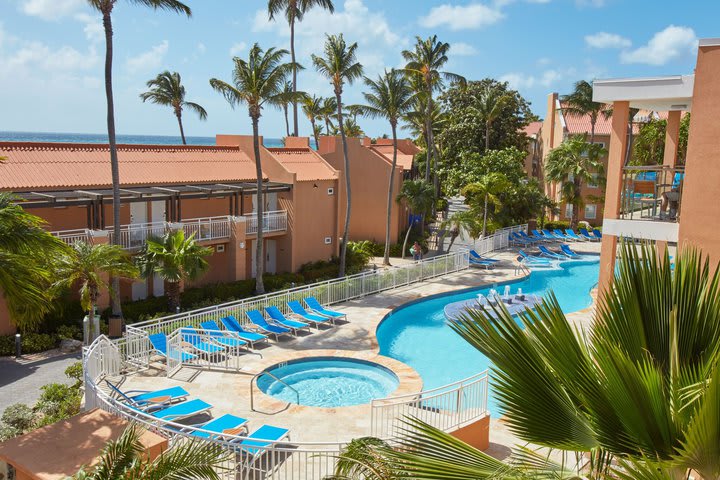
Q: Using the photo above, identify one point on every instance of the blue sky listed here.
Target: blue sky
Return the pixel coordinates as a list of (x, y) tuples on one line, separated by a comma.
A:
[(51, 52)]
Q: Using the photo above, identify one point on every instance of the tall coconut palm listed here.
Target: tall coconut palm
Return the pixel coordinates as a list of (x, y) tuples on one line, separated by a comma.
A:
[(574, 163), (426, 61), (258, 82), (87, 266), (105, 7), (340, 66), (294, 11), (490, 105), (287, 90), (580, 103), (126, 459), (175, 259), (420, 198), (329, 109), (167, 89), (389, 97), (483, 193), (27, 252), (312, 108), (352, 129)]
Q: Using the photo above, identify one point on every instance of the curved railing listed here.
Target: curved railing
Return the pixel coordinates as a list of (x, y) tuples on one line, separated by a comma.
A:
[(270, 374)]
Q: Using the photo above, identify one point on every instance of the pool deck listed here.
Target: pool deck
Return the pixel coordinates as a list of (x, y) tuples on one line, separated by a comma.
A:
[(230, 392)]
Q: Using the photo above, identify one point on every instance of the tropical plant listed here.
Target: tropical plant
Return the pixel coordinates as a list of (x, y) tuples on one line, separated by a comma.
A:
[(87, 267), (364, 458), (167, 89), (329, 110), (312, 108), (573, 163), (462, 221), (287, 94), (420, 198), (426, 61), (105, 7), (125, 459), (258, 82), (491, 104), (649, 144), (340, 66), (389, 97), (175, 259), (294, 11), (579, 103), (26, 255), (352, 129), (484, 193)]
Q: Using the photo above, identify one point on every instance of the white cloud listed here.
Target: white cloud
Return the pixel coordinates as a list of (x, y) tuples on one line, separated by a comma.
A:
[(459, 17), (201, 48), (545, 79), (51, 9), (150, 60), (463, 49), (518, 80), (237, 49), (666, 45), (94, 30), (590, 3), (607, 40), (38, 54)]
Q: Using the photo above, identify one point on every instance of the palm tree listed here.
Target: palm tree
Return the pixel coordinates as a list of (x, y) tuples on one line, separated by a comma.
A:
[(461, 221), (573, 163), (175, 259), (352, 129), (491, 103), (26, 255), (167, 89), (425, 61), (105, 7), (390, 97), (312, 108), (329, 109), (420, 198), (486, 191), (340, 66), (294, 10), (580, 103), (287, 91), (258, 82), (87, 266), (125, 459)]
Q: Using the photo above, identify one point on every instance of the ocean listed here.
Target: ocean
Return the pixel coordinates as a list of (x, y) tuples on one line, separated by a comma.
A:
[(131, 139)]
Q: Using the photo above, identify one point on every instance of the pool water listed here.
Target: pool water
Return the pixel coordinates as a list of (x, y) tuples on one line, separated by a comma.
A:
[(329, 382), (419, 334)]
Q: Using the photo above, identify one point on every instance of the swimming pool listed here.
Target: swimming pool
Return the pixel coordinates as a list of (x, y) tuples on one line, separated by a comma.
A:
[(418, 334), (328, 382)]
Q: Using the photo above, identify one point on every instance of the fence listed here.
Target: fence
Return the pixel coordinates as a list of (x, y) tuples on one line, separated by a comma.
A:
[(135, 235), (73, 236), (209, 228), (498, 240), (275, 221), (446, 407)]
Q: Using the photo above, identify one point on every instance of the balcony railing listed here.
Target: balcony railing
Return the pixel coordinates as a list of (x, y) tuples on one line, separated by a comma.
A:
[(652, 193), (209, 228), (73, 236), (272, 222)]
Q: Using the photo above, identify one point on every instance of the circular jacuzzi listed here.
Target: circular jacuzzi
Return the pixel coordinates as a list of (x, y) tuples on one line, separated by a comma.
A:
[(328, 381)]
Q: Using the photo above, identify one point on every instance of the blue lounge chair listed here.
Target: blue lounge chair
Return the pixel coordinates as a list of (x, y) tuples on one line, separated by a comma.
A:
[(542, 236), (532, 259), (233, 326), (228, 338), (259, 321), (586, 235), (481, 263), (266, 436), (548, 253), (277, 317), (597, 233), (568, 251), (159, 343), (551, 235), (571, 233), (559, 233), (142, 398), (517, 239), (182, 410), (195, 338), (226, 426), (297, 308), (317, 307), (477, 256), (528, 237)]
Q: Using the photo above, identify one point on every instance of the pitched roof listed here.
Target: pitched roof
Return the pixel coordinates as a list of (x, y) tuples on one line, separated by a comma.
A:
[(533, 128), (404, 159), (580, 124), (74, 165), (305, 163)]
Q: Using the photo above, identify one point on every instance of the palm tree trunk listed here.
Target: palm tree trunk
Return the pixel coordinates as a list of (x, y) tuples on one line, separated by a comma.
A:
[(114, 166), (428, 136), (294, 74), (386, 255), (487, 137), (592, 131), (173, 294), (182, 131), (576, 205), (259, 255), (287, 121), (346, 228), (407, 235), (315, 133), (485, 216), (327, 126)]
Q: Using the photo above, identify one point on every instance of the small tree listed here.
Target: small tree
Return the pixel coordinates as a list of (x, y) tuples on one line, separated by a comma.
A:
[(459, 222), (88, 268), (580, 103), (420, 198), (175, 259), (313, 110), (484, 193)]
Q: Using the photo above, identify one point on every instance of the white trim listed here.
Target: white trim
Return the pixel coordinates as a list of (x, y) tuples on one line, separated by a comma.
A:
[(642, 229), (709, 42)]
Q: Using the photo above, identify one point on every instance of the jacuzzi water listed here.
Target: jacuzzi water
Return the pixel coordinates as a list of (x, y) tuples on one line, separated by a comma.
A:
[(419, 334), (328, 382)]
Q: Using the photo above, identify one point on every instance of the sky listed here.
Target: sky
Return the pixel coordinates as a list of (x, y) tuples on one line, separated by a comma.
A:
[(52, 52)]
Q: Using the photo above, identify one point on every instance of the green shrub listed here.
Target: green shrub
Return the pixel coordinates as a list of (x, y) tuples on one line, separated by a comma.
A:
[(69, 331), (561, 224), (75, 372), (18, 416), (57, 401), (31, 343)]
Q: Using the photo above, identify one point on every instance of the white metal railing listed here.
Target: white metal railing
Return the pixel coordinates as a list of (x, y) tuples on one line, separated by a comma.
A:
[(134, 235), (275, 221), (447, 407), (73, 236), (208, 228), (498, 240)]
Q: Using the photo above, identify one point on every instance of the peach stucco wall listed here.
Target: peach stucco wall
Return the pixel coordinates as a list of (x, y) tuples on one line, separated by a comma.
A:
[(476, 434)]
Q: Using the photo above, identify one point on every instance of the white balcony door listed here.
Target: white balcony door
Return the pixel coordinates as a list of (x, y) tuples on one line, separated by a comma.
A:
[(157, 210), (138, 214), (271, 256), (270, 202)]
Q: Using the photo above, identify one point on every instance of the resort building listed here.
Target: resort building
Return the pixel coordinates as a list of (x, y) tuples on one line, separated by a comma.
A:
[(533, 160), (669, 203)]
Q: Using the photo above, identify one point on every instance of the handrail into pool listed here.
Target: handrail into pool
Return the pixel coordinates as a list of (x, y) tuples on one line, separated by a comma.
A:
[(265, 372)]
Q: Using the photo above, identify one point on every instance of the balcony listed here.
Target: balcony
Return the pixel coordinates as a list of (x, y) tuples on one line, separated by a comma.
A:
[(273, 222), (73, 236)]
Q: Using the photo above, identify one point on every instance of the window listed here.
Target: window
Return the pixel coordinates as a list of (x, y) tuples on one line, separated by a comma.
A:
[(591, 212), (594, 182), (568, 210)]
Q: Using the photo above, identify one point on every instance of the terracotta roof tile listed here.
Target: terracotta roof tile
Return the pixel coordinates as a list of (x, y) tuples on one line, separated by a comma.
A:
[(305, 163), (405, 160), (533, 128), (57, 165)]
